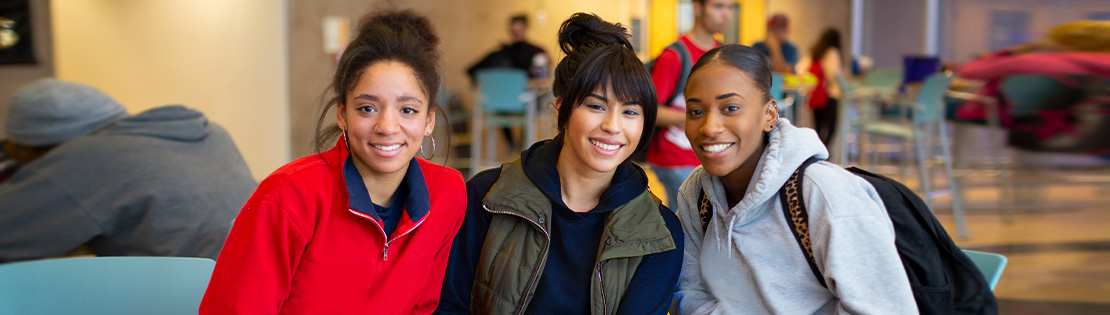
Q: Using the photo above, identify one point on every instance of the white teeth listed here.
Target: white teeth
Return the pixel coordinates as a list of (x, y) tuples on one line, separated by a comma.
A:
[(388, 147), (716, 147), (606, 147)]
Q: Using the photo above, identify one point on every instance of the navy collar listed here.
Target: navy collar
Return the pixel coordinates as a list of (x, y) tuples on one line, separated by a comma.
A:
[(629, 181), (358, 198)]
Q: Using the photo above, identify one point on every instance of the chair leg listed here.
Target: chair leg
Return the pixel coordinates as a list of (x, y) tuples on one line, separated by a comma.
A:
[(475, 143), (922, 170), (845, 128), (953, 186), (491, 146)]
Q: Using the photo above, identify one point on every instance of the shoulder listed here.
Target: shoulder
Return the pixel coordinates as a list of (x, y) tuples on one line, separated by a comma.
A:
[(301, 177), (673, 225), (839, 193), (441, 179), (691, 187), (481, 183)]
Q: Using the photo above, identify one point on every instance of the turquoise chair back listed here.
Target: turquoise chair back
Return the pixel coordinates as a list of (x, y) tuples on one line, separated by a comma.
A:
[(931, 98), (1028, 93), (845, 88), (991, 265), (883, 78), (776, 87), (501, 90), (105, 285)]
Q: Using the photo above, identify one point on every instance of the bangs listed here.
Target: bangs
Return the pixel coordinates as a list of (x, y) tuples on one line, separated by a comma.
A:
[(617, 68)]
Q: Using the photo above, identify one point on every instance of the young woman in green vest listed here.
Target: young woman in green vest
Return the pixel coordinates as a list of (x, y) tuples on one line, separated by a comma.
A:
[(570, 227)]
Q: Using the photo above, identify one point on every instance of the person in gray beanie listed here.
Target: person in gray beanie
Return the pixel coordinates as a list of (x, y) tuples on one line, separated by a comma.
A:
[(164, 182)]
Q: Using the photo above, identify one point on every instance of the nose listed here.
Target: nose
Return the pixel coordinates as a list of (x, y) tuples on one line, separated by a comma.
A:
[(388, 123), (611, 123), (712, 125)]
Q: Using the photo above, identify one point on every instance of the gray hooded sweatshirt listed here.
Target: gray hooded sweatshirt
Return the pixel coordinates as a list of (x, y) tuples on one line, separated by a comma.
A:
[(165, 182), (748, 261)]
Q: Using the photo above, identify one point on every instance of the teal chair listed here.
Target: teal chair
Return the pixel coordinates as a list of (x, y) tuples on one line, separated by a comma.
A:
[(991, 265), (503, 101), (926, 122), (105, 285)]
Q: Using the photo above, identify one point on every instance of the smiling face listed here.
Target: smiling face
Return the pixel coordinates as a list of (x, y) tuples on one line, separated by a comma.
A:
[(386, 116), (602, 132), (726, 117)]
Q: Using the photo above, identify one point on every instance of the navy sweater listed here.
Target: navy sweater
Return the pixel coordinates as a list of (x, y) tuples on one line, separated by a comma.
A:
[(564, 285)]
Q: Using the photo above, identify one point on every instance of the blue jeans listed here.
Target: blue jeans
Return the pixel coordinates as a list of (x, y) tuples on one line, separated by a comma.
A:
[(672, 178)]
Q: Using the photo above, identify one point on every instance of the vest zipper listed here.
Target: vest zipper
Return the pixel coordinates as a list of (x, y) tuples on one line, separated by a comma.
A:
[(543, 259), (601, 286), (385, 248)]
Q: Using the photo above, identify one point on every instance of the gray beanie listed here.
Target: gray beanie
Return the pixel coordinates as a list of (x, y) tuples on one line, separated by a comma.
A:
[(49, 112)]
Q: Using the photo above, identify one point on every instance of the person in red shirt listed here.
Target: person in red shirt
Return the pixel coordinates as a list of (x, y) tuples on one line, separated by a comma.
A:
[(364, 227), (669, 153)]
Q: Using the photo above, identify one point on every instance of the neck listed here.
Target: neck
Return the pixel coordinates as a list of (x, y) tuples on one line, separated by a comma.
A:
[(702, 37), (581, 187), (381, 187), (736, 182)]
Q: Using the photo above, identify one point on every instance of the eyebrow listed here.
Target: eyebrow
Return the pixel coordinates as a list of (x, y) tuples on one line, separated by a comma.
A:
[(724, 96), (375, 98), (602, 98)]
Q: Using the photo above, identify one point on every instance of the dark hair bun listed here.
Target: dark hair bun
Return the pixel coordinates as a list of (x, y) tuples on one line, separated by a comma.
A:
[(404, 21), (587, 30)]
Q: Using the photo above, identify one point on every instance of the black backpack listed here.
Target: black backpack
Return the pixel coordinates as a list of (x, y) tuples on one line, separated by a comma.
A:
[(687, 62), (943, 279)]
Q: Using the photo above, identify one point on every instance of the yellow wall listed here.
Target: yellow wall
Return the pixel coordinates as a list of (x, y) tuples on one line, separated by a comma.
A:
[(753, 26), (227, 59)]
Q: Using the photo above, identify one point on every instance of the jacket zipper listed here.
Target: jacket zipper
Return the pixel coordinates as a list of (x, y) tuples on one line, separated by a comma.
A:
[(601, 286), (385, 248), (543, 259)]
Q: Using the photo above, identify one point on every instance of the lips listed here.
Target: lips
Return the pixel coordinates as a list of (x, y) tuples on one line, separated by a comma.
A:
[(390, 147), (717, 147), (605, 145)]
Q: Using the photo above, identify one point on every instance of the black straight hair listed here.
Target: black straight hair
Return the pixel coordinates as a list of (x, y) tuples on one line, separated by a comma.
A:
[(600, 56)]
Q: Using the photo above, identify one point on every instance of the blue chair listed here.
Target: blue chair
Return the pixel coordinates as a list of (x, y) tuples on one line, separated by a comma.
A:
[(503, 101), (105, 285), (926, 118), (991, 265)]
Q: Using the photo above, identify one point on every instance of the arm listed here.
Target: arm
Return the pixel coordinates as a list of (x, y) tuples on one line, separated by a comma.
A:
[(40, 219), (831, 64), (458, 280), (695, 295), (653, 285), (856, 250), (439, 264), (255, 269), (665, 76), (776, 56)]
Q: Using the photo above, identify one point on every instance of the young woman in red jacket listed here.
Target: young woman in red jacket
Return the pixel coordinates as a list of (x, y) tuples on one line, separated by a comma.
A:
[(363, 227)]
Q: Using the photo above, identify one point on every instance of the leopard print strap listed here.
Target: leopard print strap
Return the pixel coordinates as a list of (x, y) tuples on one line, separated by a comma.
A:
[(797, 217), (705, 210)]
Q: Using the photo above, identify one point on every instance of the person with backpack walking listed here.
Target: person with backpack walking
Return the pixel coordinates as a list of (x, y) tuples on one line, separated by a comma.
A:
[(669, 153), (742, 254)]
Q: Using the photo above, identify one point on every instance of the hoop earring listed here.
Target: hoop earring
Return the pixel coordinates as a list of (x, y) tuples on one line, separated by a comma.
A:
[(433, 150), (347, 140)]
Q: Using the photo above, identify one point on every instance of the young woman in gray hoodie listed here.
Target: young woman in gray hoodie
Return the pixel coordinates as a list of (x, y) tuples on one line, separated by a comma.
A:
[(745, 259)]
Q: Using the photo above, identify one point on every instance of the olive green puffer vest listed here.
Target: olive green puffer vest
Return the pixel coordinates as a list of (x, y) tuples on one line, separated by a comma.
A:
[(516, 246)]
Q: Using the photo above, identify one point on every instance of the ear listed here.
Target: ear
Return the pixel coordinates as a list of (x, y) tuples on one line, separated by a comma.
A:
[(558, 103), (341, 116), (771, 116), (430, 122)]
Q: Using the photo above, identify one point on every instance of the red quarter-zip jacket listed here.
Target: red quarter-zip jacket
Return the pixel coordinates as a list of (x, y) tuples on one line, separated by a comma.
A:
[(303, 245)]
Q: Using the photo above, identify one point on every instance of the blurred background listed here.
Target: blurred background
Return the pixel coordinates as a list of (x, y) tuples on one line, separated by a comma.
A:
[(260, 69)]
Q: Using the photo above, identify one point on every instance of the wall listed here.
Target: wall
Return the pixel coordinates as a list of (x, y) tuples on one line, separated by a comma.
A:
[(469, 30), (753, 23), (892, 29), (227, 59), (12, 77)]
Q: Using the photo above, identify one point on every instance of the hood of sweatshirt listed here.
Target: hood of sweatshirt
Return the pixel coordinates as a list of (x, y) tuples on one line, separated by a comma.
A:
[(173, 122)]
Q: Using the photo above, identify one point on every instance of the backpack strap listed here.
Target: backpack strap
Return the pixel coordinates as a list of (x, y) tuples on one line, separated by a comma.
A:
[(687, 62), (705, 211), (797, 217)]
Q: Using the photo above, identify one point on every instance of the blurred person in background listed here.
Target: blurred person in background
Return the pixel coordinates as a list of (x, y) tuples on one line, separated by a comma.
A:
[(517, 54), (366, 226), (1081, 47), (825, 98), (570, 227), (782, 54), (164, 182), (669, 154)]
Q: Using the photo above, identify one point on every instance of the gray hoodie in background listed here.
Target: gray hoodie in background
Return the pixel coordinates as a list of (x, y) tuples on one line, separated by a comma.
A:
[(165, 182), (748, 261)]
